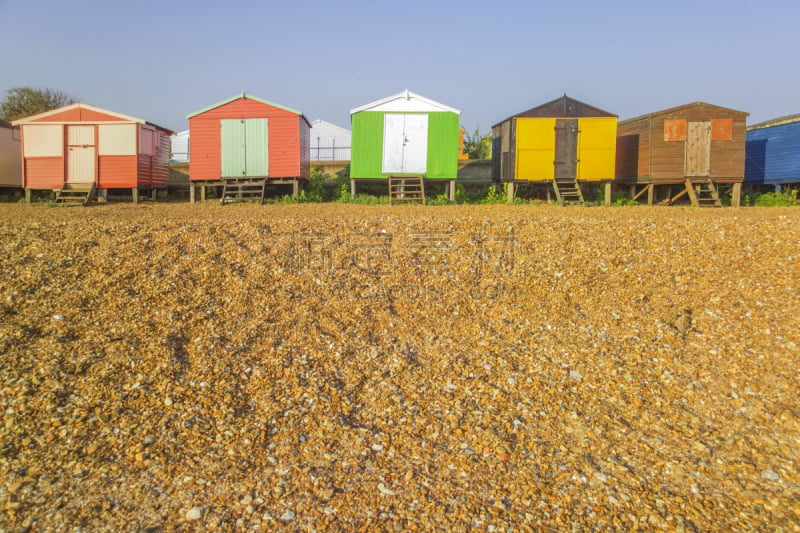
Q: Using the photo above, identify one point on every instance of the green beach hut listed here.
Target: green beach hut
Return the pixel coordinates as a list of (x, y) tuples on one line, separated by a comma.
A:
[(405, 139)]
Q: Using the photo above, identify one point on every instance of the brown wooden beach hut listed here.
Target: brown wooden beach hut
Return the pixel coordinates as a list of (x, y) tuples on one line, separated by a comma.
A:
[(692, 150)]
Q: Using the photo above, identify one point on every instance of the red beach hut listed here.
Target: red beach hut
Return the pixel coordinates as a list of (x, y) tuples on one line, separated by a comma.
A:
[(80, 150), (244, 144)]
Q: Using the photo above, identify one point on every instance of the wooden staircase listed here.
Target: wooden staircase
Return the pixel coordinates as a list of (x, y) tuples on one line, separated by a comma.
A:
[(75, 194), (703, 193), (242, 190), (568, 192), (406, 189)]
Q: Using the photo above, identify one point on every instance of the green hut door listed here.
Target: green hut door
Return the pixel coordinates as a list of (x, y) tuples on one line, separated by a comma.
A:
[(245, 151), (405, 143)]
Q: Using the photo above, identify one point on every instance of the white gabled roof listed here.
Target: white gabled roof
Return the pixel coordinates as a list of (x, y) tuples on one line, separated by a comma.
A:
[(322, 127), (405, 101)]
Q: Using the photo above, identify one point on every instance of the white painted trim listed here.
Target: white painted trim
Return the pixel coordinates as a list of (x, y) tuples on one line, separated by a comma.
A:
[(406, 101)]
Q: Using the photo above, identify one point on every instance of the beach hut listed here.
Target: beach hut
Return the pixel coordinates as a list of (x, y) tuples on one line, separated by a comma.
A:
[(405, 139), (689, 150), (79, 151), (329, 142), (563, 142), (10, 156), (179, 147), (243, 144), (773, 153)]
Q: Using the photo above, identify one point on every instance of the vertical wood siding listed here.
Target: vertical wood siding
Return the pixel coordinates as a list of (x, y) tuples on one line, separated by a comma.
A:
[(367, 149), (305, 149), (284, 139), (10, 158)]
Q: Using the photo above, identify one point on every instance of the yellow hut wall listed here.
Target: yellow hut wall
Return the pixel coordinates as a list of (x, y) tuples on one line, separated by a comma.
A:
[(536, 144)]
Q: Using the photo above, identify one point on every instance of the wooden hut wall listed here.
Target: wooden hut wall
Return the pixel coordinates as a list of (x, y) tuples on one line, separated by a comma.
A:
[(654, 148), (287, 139), (10, 157)]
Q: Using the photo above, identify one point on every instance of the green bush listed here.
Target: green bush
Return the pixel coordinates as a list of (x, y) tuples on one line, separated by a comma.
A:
[(773, 199), (494, 197)]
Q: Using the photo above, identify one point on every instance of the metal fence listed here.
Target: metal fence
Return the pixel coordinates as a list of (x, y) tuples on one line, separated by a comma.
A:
[(330, 149)]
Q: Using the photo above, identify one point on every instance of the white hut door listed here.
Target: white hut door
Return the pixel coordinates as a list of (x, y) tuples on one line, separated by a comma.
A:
[(80, 154), (405, 144), (698, 148)]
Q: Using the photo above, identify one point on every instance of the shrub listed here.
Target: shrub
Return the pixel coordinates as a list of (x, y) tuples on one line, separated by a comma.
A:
[(775, 199)]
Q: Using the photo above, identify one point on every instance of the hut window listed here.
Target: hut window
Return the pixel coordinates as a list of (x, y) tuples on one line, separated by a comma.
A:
[(117, 139), (147, 142), (43, 140), (675, 129), (721, 129)]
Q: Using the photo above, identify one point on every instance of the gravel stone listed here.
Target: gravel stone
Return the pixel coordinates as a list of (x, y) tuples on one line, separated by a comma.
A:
[(522, 368)]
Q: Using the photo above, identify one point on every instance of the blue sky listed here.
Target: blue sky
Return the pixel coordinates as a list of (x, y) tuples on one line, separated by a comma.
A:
[(160, 60)]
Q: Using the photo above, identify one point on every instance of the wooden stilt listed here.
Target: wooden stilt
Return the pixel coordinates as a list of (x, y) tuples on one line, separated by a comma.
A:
[(295, 188), (191, 194), (135, 191), (510, 186), (28, 195), (549, 197), (736, 195), (691, 192), (452, 191), (650, 194), (154, 194), (352, 188), (608, 193), (203, 193), (632, 191)]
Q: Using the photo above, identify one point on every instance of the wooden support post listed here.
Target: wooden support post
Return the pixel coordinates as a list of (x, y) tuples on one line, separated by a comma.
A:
[(295, 188), (650, 194), (608, 193), (28, 195), (692, 194), (135, 191), (510, 185), (736, 195), (191, 194), (202, 193), (632, 191), (352, 188), (452, 191), (104, 195), (154, 194), (549, 198), (778, 188)]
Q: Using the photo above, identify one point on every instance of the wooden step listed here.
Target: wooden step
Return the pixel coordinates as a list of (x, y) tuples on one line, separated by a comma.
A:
[(406, 189), (703, 192), (236, 190), (75, 194), (568, 191)]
